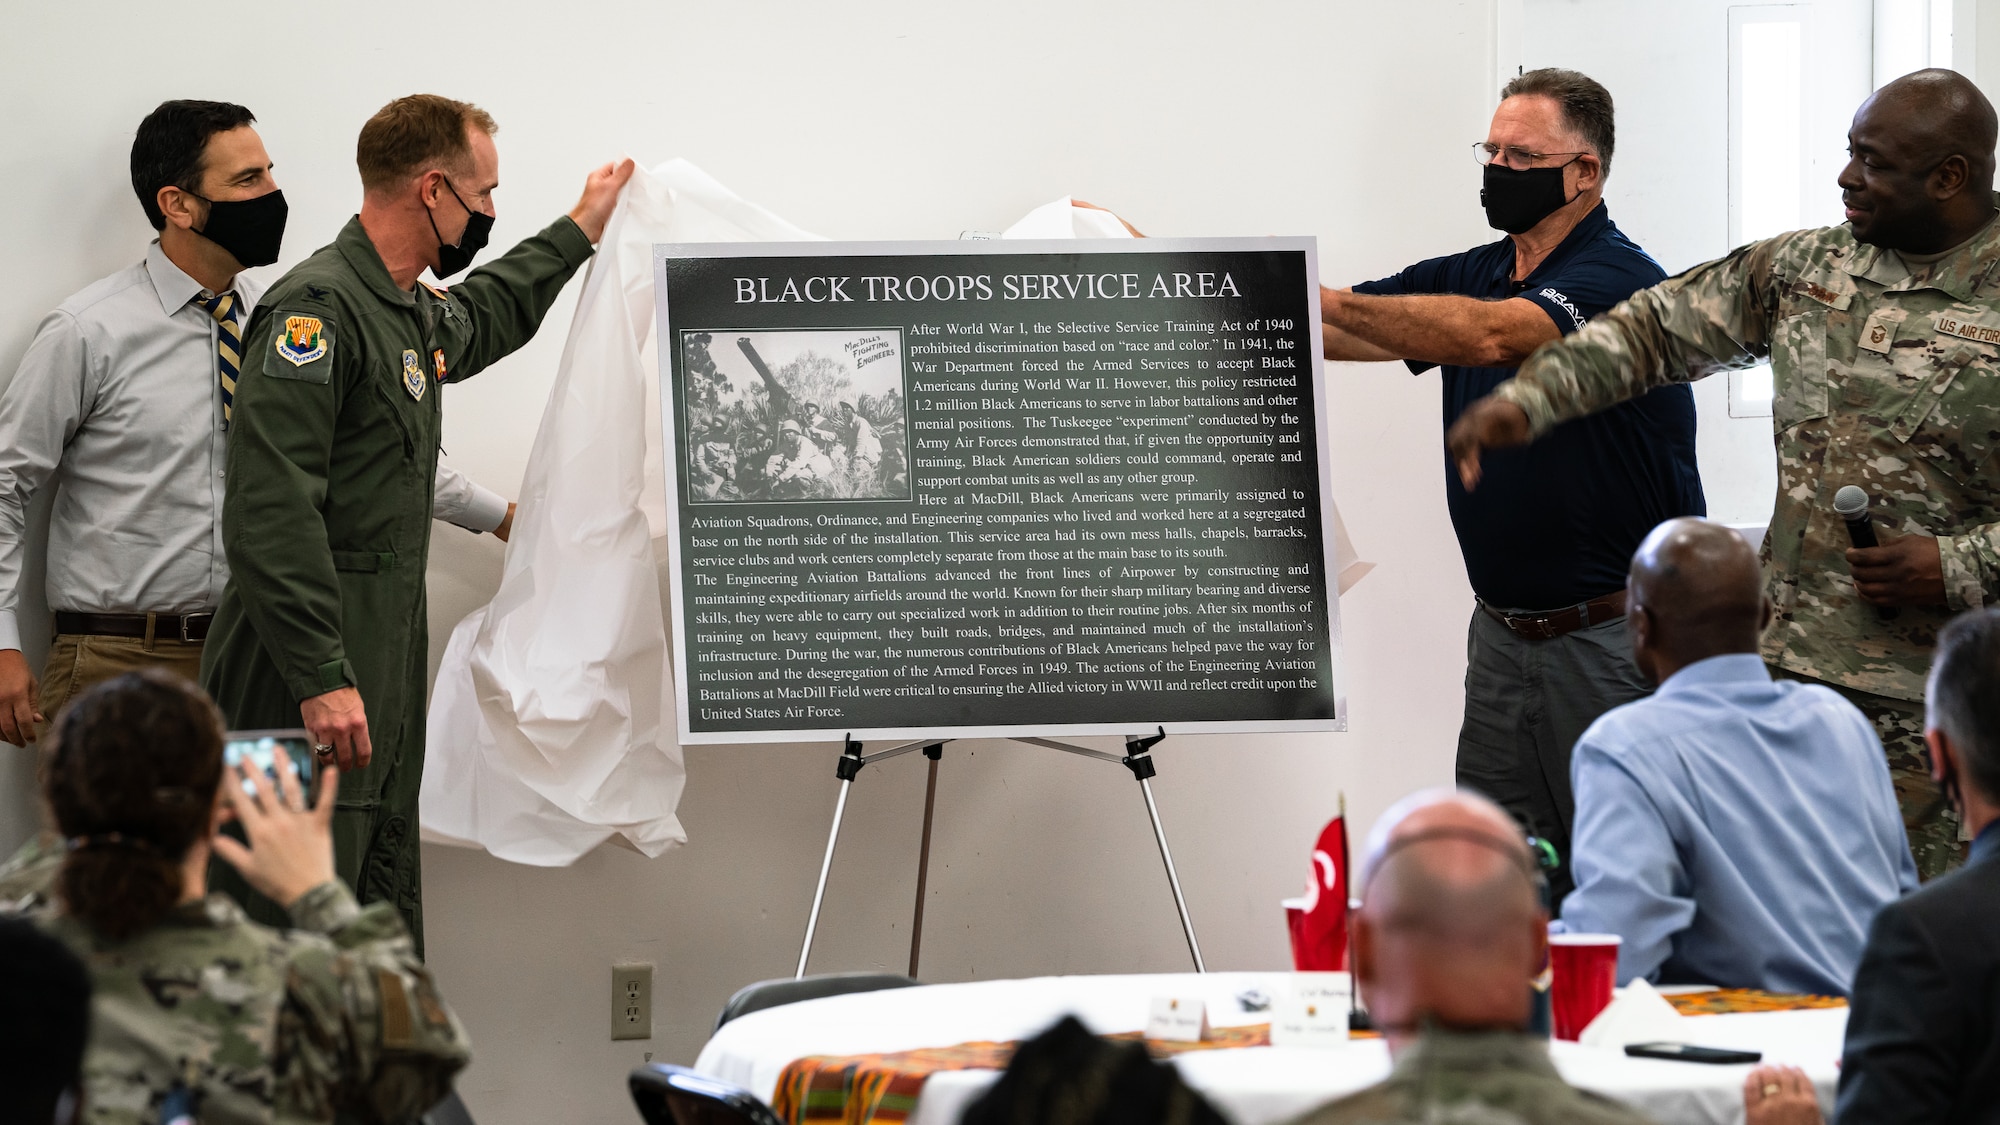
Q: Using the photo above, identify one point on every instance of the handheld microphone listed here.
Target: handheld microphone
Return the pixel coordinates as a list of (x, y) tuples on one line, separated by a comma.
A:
[(1851, 504)]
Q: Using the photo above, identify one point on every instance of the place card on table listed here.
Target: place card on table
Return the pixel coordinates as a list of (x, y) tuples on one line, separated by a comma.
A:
[(1182, 1019), (1312, 1011)]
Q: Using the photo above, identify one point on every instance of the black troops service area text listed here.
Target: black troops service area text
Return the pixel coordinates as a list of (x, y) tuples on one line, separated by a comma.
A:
[(1066, 493)]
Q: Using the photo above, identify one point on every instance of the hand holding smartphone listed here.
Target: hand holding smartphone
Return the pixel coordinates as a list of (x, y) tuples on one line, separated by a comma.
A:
[(262, 747), (287, 844)]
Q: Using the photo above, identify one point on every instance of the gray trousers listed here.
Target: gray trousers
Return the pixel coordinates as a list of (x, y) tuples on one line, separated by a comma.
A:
[(1526, 704)]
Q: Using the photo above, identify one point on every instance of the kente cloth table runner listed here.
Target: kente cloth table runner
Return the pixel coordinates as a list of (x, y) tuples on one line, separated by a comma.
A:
[(1730, 1001), (870, 1089)]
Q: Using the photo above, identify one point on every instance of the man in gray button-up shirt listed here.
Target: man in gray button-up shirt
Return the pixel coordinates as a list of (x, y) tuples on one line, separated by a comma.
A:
[(121, 399)]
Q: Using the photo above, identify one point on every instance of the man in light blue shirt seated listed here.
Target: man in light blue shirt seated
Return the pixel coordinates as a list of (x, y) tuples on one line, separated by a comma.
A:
[(1732, 829)]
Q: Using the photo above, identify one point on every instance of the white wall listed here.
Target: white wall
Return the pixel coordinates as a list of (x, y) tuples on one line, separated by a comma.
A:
[(1349, 120), (1976, 42)]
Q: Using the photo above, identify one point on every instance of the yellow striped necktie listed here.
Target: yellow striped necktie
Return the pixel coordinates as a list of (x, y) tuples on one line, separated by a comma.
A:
[(228, 345)]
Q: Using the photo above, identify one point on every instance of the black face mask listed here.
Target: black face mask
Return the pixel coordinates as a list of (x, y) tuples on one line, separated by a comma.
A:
[(250, 229), (1515, 200), (478, 226)]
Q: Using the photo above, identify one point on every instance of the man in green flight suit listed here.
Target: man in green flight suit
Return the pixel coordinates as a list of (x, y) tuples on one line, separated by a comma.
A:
[(1884, 340), (334, 446)]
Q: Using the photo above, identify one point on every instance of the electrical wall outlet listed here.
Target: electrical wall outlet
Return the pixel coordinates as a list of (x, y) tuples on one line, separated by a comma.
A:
[(631, 1001)]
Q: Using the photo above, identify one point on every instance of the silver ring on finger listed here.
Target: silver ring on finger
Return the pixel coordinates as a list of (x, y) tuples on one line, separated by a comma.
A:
[(323, 751)]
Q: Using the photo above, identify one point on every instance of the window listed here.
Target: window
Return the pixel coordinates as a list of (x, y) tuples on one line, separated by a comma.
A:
[(1770, 168), (1910, 35), (1767, 158)]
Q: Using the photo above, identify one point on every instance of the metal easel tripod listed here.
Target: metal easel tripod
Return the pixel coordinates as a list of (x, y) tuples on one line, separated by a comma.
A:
[(1138, 758)]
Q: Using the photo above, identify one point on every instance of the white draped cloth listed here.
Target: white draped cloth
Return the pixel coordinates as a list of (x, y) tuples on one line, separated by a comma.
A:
[(552, 722)]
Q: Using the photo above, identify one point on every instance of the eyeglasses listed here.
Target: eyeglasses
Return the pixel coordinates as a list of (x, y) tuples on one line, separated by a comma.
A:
[(1485, 152)]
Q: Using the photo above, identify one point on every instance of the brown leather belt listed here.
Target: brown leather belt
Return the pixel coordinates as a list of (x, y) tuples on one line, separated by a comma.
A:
[(190, 627), (1549, 626)]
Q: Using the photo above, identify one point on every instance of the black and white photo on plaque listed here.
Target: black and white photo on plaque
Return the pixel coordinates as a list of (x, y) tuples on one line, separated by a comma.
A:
[(809, 414)]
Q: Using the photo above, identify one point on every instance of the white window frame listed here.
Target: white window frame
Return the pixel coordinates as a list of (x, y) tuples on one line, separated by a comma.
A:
[(1750, 391)]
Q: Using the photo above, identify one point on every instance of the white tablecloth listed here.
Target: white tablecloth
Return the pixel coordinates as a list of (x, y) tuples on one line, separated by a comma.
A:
[(1254, 1085)]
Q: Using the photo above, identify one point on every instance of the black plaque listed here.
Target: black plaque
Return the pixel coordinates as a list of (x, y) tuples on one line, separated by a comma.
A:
[(997, 488)]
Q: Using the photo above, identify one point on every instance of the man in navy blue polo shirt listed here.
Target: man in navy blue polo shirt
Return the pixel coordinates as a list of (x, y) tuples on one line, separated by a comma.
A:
[(1550, 532)]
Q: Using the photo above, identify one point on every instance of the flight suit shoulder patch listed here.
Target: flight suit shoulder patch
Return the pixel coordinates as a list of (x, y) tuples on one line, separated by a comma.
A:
[(446, 306), (300, 347)]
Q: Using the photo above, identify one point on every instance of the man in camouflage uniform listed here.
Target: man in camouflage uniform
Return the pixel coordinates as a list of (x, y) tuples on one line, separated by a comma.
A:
[(1451, 929), (1884, 341)]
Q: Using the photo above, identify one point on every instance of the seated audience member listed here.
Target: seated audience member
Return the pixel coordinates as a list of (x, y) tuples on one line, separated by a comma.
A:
[(1067, 1076), (1923, 1038), (44, 1019), (1734, 830), (200, 1014), (1450, 931)]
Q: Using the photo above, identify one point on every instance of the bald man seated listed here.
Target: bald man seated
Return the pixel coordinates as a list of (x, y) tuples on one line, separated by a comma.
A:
[(1450, 931), (1732, 829)]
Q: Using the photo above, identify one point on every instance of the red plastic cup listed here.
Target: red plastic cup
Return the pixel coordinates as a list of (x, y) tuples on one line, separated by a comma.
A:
[(1295, 926), (1585, 971)]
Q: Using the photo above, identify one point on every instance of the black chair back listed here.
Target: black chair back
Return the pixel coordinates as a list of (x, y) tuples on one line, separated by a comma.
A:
[(771, 993), (675, 1095), (1067, 1076), (450, 1111)]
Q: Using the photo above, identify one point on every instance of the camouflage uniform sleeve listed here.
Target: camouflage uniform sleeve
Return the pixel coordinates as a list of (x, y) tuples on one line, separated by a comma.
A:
[(1715, 317), (27, 879), (1971, 562), (363, 1020)]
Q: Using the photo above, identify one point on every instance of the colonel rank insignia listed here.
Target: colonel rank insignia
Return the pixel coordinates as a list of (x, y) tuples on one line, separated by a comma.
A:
[(303, 340), (413, 375)]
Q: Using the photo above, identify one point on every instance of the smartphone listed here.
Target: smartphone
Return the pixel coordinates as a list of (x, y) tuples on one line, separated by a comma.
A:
[(1682, 1052), (262, 748)]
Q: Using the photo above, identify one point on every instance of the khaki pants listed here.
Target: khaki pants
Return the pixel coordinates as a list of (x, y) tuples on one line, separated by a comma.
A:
[(77, 663)]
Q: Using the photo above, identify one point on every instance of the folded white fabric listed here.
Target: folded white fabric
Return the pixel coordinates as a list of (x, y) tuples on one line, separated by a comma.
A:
[(552, 724), (1637, 1014), (1062, 218)]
